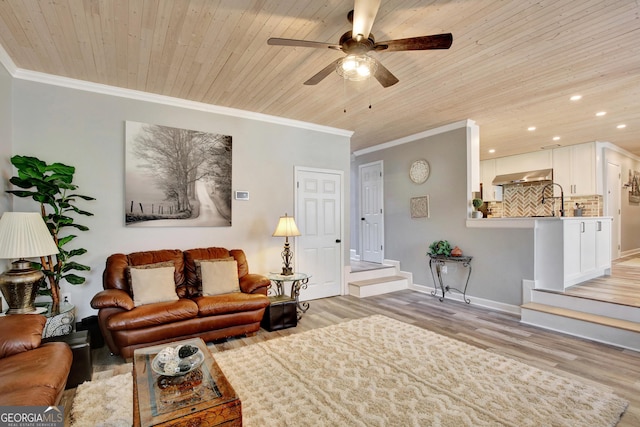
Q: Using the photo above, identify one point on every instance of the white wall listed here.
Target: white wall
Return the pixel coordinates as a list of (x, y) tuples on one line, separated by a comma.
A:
[(87, 130), (6, 95), (630, 215)]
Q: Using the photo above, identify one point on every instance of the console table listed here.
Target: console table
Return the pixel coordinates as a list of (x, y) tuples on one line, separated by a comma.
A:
[(298, 281), (439, 262)]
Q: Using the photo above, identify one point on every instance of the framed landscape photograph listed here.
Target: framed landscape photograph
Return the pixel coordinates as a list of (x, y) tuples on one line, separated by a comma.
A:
[(176, 177)]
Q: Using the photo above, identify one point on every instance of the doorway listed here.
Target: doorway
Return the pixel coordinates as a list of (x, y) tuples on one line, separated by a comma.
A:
[(370, 176), (612, 205), (319, 215)]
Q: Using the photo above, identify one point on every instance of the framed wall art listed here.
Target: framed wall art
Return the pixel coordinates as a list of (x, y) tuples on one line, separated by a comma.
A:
[(634, 191), (176, 177), (420, 207)]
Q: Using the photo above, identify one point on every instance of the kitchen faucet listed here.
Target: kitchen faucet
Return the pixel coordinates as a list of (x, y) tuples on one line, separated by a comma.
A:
[(561, 197)]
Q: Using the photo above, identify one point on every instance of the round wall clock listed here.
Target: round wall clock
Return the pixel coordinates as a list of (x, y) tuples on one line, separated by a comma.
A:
[(419, 171)]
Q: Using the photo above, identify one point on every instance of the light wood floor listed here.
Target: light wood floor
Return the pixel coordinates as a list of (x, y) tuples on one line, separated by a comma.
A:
[(494, 331), (622, 287)]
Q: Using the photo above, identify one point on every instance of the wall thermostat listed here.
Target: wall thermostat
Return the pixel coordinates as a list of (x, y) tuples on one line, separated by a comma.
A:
[(242, 195)]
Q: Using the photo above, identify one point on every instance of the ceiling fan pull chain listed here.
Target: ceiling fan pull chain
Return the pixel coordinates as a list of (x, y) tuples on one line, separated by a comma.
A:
[(344, 94)]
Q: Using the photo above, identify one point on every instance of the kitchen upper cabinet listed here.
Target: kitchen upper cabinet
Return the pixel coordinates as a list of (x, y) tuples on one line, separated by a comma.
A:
[(524, 162), (574, 168), (490, 193)]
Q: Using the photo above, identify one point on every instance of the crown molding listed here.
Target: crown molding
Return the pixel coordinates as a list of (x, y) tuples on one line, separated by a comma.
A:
[(431, 132), (49, 79)]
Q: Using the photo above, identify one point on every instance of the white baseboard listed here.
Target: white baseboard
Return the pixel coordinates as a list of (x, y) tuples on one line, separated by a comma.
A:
[(480, 302)]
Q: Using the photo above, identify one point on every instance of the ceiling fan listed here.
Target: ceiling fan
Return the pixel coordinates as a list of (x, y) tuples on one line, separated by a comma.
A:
[(358, 65)]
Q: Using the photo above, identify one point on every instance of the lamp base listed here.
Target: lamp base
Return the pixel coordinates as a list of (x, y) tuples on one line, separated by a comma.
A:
[(20, 287), (287, 271)]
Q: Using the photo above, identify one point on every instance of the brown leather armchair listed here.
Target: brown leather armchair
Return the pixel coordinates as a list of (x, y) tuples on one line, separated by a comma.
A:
[(126, 327), (30, 373)]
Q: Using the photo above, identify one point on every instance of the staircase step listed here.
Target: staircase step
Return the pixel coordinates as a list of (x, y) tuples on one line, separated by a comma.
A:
[(618, 332), (587, 317), (377, 286), (587, 305)]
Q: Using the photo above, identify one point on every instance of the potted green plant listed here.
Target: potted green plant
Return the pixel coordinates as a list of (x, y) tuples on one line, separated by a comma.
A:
[(477, 203), (52, 186), (440, 247)]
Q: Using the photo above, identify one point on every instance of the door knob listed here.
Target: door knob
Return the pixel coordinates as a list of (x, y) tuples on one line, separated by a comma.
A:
[(362, 219), (338, 240)]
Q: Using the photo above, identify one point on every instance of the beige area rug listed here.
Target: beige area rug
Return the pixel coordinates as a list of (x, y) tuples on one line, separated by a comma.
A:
[(104, 403), (633, 262), (378, 371)]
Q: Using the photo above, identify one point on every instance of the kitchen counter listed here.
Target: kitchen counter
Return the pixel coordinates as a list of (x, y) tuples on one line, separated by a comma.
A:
[(519, 222), (524, 222), (567, 250)]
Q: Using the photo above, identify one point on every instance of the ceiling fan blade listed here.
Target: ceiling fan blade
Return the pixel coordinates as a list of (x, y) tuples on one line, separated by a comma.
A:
[(437, 41), (384, 76), (318, 77), (364, 13), (274, 41)]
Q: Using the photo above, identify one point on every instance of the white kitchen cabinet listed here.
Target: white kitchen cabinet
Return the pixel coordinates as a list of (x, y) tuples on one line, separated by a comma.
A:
[(571, 250), (603, 244), (586, 248), (524, 162), (490, 193), (574, 168)]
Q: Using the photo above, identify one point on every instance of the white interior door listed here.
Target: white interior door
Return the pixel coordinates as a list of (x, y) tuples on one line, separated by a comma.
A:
[(319, 215), (371, 217), (612, 204)]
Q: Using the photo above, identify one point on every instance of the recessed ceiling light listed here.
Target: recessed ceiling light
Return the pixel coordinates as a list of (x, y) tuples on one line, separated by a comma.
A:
[(621, 126), (601, 113), (531, 128), (576, 97), (556, 138), (492, 151)]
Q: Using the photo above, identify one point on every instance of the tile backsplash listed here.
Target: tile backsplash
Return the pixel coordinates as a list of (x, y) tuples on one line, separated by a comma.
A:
[(526, 200)]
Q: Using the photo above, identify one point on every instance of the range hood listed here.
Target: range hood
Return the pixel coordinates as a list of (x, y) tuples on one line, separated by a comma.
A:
[(537, 176)]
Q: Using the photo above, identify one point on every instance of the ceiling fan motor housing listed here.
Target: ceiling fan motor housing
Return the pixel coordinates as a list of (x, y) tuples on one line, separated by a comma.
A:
[(351, 45)]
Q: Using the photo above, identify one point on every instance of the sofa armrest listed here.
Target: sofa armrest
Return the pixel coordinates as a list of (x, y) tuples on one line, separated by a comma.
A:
[(112, 298), (20, 332), (254, 284)]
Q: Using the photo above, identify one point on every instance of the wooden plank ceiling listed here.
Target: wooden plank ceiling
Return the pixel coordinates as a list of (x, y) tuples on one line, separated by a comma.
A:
[(513, 64)]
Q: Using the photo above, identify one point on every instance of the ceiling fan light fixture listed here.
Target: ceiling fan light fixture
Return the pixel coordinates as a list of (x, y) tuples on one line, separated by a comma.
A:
[(356, 67)]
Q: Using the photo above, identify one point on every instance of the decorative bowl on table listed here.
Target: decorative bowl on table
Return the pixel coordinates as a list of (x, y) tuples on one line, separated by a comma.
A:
[(177, 361)]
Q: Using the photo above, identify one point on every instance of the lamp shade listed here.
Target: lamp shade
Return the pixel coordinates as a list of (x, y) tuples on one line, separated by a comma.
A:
[(286, 227), (25, 235)]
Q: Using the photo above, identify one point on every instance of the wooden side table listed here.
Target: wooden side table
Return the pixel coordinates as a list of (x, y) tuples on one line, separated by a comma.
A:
[(281, 313)]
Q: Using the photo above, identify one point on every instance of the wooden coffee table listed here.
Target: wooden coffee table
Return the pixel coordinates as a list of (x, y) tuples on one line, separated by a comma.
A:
[(202, 397)]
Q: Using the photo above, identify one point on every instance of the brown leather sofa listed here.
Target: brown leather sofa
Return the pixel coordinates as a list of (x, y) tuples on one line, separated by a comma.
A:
[(126, 327), (30, 373)]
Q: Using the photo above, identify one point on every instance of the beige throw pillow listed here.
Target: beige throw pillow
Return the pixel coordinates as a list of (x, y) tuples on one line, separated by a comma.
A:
[(219, 277), (151, 285)]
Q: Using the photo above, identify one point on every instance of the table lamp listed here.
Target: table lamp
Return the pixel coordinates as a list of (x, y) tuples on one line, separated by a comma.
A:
[(286, 228), (23, 235)]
